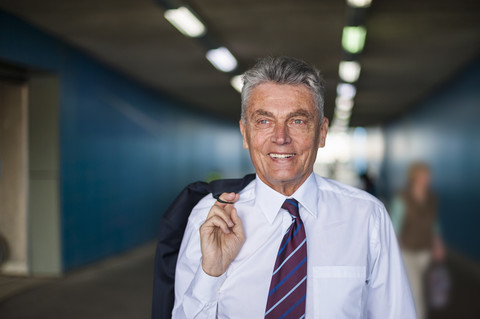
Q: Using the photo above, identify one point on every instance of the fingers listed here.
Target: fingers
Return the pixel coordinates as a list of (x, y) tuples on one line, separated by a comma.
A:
[(217, 221), (224, 210), (220, 213), (227, 199)]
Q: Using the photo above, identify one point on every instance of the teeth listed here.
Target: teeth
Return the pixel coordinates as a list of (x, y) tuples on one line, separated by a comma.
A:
[(281, 155)]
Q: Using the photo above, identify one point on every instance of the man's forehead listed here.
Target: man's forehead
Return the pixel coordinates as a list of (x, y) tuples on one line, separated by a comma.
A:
[(290, 113), (279, 90), (280, 98)]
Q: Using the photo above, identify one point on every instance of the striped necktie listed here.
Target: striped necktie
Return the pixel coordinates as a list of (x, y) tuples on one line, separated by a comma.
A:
[(288, 288)]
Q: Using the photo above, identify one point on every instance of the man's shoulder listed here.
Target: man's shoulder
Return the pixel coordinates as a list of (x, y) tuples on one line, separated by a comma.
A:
[(330, 187)]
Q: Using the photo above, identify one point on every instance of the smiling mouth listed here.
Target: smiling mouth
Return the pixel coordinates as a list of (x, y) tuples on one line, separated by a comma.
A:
[(281, 156)]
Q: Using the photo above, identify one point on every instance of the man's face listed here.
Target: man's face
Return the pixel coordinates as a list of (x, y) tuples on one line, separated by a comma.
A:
[(283, 134)]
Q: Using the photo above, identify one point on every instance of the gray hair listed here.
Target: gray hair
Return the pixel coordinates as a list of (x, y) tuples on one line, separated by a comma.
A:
[(283, 70)]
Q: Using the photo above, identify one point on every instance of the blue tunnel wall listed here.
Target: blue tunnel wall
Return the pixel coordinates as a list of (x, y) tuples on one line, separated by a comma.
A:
[(125, 150), (444, 131)]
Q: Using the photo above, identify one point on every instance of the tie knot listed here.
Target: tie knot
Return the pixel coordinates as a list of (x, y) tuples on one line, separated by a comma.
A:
[(291, 205)]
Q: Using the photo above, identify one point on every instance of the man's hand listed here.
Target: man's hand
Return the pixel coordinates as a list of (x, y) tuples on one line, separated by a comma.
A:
[(221, 236)]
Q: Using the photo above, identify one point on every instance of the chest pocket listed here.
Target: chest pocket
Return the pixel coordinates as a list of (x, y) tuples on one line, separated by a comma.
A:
[(337, 291)]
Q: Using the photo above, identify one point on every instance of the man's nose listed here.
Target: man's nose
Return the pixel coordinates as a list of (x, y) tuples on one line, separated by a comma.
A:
[(280, 135)]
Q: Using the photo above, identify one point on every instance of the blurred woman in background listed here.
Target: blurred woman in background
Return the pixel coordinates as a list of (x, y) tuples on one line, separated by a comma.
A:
[(413, 214)]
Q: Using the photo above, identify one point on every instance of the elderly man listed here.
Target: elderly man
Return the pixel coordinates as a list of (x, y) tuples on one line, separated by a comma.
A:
[(291, 244)]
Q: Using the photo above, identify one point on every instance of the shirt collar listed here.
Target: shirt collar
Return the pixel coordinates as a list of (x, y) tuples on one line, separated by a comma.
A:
[(270, 201)]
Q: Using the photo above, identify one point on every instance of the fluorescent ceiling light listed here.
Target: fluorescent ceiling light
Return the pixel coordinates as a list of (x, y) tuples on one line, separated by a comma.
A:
[(343, 103), (237, 82), (340, 122), (342, 115), (339, 125), (353, 39), (349, 71), (222, 59), (337, 128), (346, 90), (359, 3), (185, 21)]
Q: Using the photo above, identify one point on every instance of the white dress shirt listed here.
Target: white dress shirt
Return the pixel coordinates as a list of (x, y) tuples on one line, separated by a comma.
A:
[(354, 265)]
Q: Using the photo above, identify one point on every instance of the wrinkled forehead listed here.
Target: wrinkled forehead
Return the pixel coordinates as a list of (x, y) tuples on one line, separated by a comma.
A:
[(281, 98)]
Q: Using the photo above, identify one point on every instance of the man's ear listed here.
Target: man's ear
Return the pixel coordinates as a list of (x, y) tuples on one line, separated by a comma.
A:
[(242, 130), (323, 132)]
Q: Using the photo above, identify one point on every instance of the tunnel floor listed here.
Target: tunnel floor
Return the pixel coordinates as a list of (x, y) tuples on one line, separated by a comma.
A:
[(121, 287)]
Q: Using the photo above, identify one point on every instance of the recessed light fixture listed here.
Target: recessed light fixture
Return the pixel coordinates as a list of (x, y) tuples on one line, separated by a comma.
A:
[(185, 21), (237, 82), (349, 71), (346, 90), (353, 39), (222, 59), (359, 3)]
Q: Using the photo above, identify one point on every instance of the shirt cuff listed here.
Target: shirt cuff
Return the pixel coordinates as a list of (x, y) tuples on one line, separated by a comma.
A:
[(205, 287)]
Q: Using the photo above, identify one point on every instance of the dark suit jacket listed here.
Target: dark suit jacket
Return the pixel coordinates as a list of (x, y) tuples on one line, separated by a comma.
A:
[(172, 227)]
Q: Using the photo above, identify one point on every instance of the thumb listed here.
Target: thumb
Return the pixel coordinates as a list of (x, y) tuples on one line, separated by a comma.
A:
[(226, 198)]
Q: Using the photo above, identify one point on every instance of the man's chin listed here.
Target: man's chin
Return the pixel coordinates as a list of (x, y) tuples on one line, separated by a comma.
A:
[(283, 178)]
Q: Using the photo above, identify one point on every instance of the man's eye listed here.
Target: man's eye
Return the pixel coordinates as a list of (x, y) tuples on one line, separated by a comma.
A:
[(298, 122), (263, 122)]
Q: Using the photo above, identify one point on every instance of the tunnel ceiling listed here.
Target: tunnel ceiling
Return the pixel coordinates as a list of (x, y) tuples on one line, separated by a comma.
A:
[(413, 47)]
